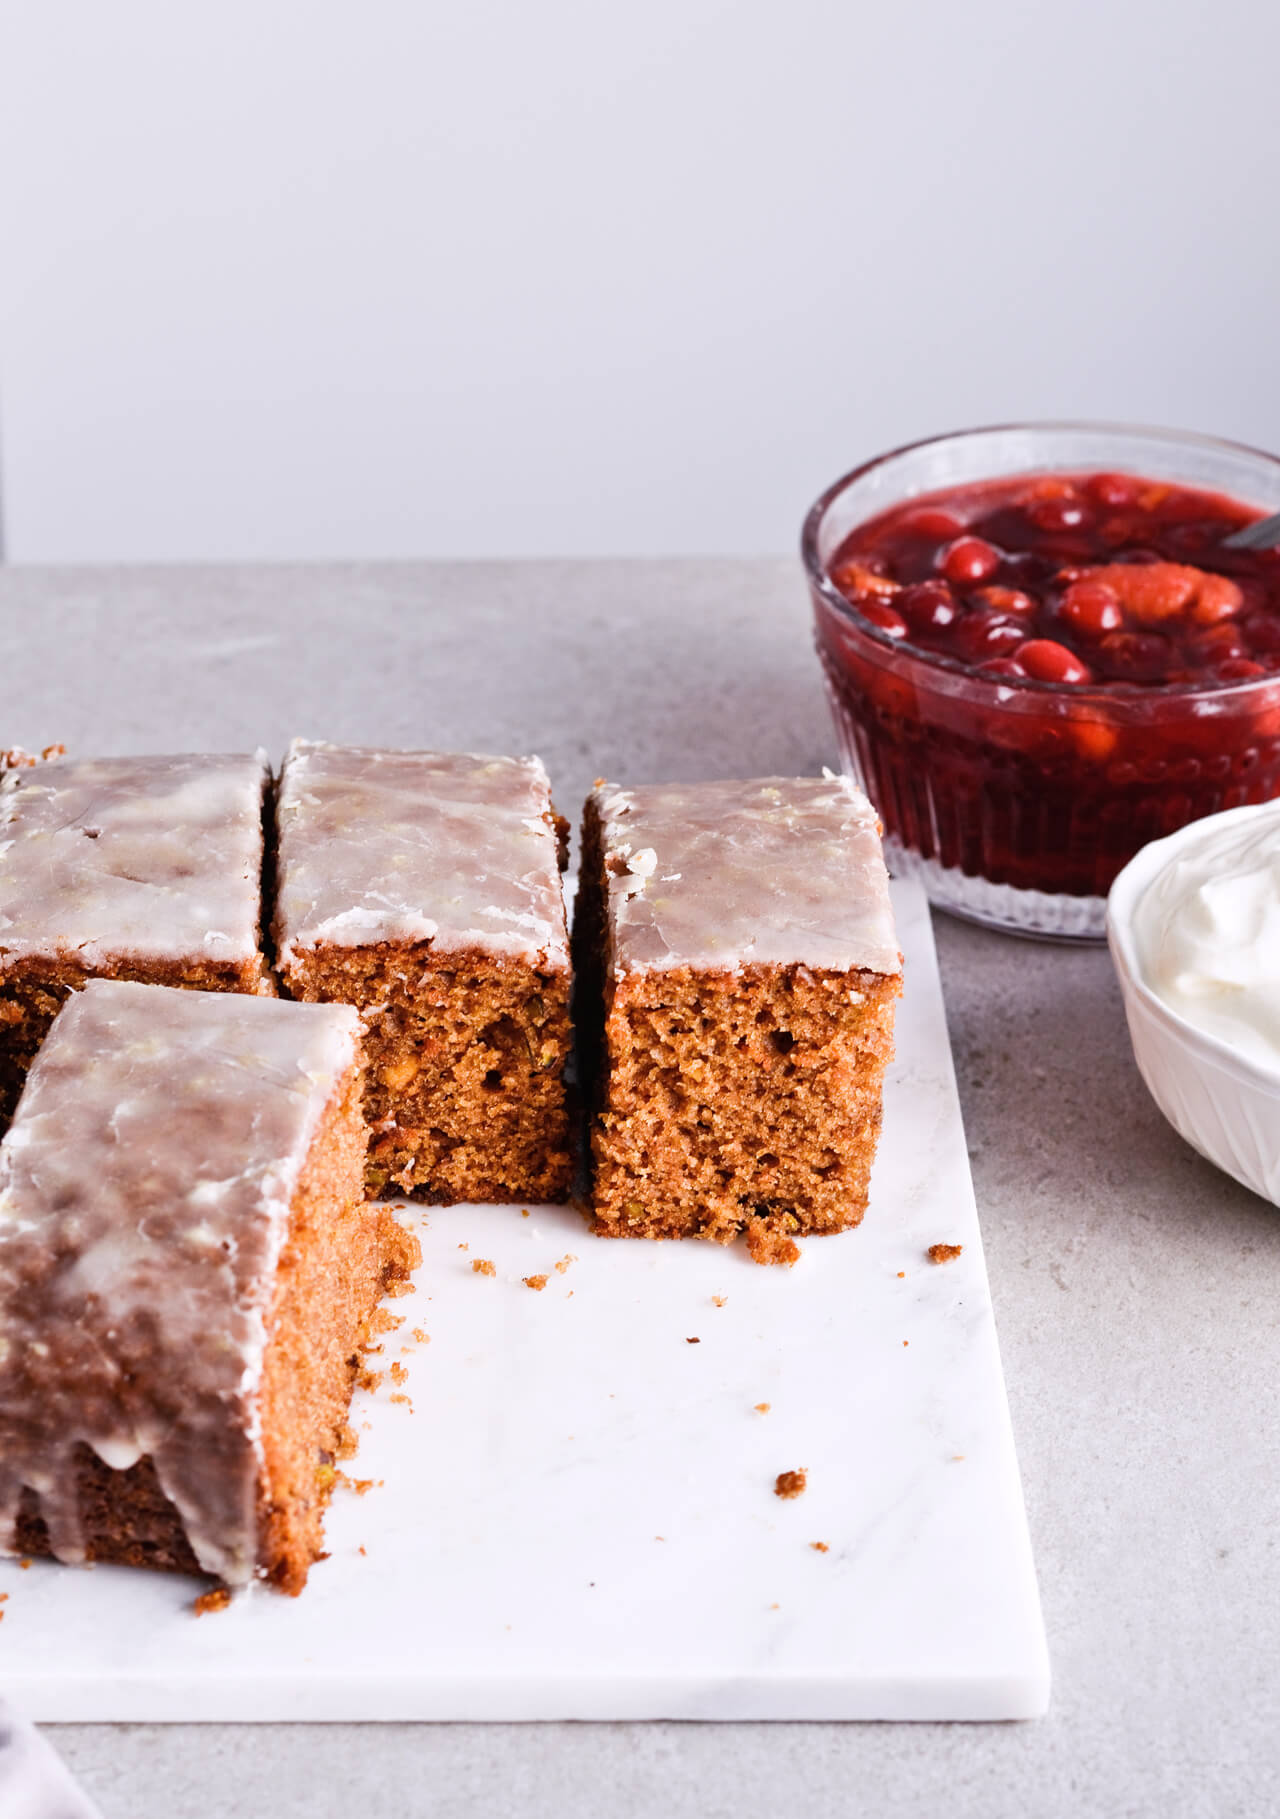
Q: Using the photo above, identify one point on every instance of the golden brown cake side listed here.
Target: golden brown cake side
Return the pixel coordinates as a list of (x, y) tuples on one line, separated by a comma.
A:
[(341, 1255), (466, 1052), (739, 1096)]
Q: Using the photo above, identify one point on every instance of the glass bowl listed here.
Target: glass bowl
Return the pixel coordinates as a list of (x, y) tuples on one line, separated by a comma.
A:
[(1017, 802)]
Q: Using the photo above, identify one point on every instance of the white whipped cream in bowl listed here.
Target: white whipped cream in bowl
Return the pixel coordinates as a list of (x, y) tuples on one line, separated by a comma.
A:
[(1193, 922)]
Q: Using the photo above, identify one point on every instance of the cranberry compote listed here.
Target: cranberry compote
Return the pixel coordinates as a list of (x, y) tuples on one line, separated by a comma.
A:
[(1064, 666)]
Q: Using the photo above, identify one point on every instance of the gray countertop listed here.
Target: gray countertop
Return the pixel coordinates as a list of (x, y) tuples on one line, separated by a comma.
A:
[(1135, 1287)]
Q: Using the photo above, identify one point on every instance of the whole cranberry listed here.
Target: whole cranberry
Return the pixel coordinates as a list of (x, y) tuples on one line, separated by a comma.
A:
[(1217, 645), (928, 606), (1009, 600), (1092, 609), (1136, 656), (981, 636), (932, 524), (1263, 632), (1057, 514), (968, 559), (1002, 666), (1047, 661), (1115, 491), (882, 615)]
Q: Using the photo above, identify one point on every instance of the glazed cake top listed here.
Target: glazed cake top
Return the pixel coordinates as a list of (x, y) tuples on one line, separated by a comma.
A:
[(780, 871), (145, 1190), (457, 850), (103, 859)]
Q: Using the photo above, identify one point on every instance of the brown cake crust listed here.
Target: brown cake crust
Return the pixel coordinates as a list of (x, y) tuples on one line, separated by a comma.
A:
[(465, 1054), (746, 1100)]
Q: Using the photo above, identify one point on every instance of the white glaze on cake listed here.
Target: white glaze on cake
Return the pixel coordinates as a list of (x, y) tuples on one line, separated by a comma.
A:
[(145, 1190), (106, 859), (380, 846), (778, 871)]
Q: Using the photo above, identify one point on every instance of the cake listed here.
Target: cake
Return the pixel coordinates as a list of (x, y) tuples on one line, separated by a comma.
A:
[(187, 1272), (424, 888), (737, 972), (130, 868)]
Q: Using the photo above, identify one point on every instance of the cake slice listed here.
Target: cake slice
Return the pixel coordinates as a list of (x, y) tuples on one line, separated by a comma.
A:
[(737, 970), (127, 868), (188, 1270), (425, 889)]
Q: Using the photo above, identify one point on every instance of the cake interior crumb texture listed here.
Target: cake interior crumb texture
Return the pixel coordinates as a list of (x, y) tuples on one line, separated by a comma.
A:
[(736, 1044), (145, 869), (188, 1272), (424, 889)]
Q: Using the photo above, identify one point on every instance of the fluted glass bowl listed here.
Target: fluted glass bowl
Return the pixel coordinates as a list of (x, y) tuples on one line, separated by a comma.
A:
[(1017, 802)]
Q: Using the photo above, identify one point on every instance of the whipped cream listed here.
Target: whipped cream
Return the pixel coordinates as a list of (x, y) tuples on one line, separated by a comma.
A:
[(1206, 931)]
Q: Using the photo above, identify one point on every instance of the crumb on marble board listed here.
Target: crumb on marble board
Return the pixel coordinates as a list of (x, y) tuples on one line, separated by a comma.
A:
[(535, 1282), (216, 1600), (564, 1263), (943, 1253), (791, 1484), (819, 1547), (718, 1300), (399, 1372), (762, 1408), (481, 1266), (764, 1246), (693, 1342)]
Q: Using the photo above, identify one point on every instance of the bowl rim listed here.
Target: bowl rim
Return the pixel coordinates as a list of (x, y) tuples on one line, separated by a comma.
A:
[(1118, 698), (1130, 885)]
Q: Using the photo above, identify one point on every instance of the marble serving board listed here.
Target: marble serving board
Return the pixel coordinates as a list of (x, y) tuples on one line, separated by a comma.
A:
[(572, 1512)]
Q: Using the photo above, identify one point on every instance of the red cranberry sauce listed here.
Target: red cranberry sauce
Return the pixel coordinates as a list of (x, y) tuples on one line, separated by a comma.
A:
[(1075, 578), (1108, 584)]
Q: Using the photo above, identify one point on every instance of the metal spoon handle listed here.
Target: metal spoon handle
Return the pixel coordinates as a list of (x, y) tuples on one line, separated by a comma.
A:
[(1265, 534)]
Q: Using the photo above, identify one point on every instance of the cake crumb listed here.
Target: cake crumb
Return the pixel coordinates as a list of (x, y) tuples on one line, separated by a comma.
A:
[(369, 1380), (25, 1565), (564, 1263), (762, 1408), (693, 1342), (901, 1274), (216, 1600), (421, 1337), (400, 1285), (775, 1607), (362, 1550), (399, 1372), (464, 1247), (791, 1484), (384, 1321), (524, 1212), (535, 1282), (399, 1396), (765, 1246), (906, 1342), (819, 1547), (480, 1266), (718, 1300), (943, 1253)]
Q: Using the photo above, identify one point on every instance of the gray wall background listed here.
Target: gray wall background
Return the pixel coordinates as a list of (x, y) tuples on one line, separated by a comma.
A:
[(308, 279)]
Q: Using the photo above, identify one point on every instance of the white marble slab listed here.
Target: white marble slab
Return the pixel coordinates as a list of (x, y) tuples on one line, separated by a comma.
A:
[(577, 1518)]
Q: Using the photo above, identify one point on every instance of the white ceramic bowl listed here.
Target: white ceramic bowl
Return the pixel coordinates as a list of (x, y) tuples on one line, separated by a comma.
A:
[(1225, 1104)]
